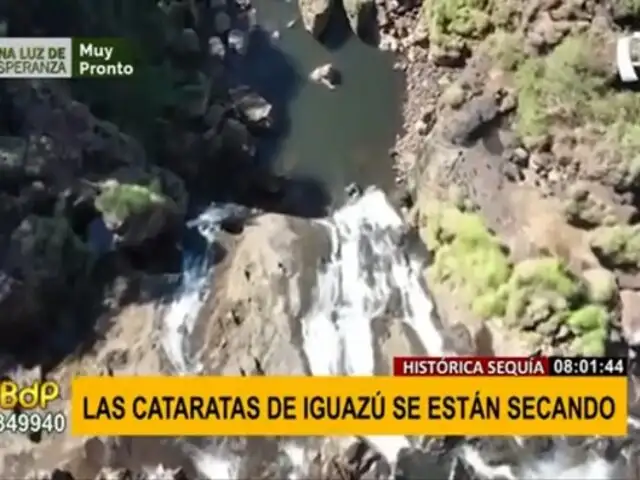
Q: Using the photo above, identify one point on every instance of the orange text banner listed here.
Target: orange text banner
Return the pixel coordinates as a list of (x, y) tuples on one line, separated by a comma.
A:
[(294, 406)]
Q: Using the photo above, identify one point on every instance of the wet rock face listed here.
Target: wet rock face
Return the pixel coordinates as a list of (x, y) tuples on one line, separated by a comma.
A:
[(362, 18), (315, 15)]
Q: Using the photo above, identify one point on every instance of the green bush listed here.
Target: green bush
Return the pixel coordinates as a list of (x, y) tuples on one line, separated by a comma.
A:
[(120, 201), (452, 23), (618, 245), (468, 256), (536, 293)]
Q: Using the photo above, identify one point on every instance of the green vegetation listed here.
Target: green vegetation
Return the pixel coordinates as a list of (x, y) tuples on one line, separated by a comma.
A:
[(452, 23), (539, 294), (468, 256), (459, 18), (570, 88), (630, 7), (507, 48), (587, 319), (120, 200), (584, 208), (602, 287), (618, 246), (590, 343)]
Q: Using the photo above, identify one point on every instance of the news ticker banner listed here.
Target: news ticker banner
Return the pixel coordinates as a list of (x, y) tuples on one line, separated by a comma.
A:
[(310, 406), (41, 57)]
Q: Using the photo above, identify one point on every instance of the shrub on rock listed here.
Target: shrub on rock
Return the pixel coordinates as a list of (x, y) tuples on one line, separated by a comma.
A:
[(540, 296), (134, 212), (617, 246)]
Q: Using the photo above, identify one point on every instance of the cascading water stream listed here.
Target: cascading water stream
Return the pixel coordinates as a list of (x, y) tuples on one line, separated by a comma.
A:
[(366, 267), (179, 319)]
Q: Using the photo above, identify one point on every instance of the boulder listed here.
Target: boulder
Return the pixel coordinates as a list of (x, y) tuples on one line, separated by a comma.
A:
[(327, 75), (315, 15), (256, 112), (187, 42), (216, 47), (13, 153), (267, 264), (362, 18)]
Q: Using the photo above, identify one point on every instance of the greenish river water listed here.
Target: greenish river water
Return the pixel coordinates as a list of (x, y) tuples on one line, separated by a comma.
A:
[(335, 136)]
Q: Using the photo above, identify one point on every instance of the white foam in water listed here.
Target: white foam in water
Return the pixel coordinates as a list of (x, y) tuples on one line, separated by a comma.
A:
[(181, 315), (179, 320), (593, 469), (558, 466), (297, 458), (366, 266), (214, 467)]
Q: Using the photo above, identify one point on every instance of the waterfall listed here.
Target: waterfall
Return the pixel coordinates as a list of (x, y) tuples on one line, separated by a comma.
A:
[(367, 268)]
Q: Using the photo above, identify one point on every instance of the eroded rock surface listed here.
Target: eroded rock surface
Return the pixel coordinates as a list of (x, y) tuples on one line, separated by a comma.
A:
[(315, 15)]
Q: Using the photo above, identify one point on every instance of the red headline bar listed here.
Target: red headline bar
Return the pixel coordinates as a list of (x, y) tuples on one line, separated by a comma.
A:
[(470, 366)]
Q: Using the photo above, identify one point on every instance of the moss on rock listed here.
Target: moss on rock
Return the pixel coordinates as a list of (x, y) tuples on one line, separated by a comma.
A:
[(583, 208), (119, 201), (617, 246)]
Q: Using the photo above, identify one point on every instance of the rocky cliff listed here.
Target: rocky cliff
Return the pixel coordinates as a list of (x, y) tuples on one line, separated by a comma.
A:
[(519, 154)]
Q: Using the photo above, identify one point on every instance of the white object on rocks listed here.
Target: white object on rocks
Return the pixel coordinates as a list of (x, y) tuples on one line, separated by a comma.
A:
[(327, 75), (626, 63)]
